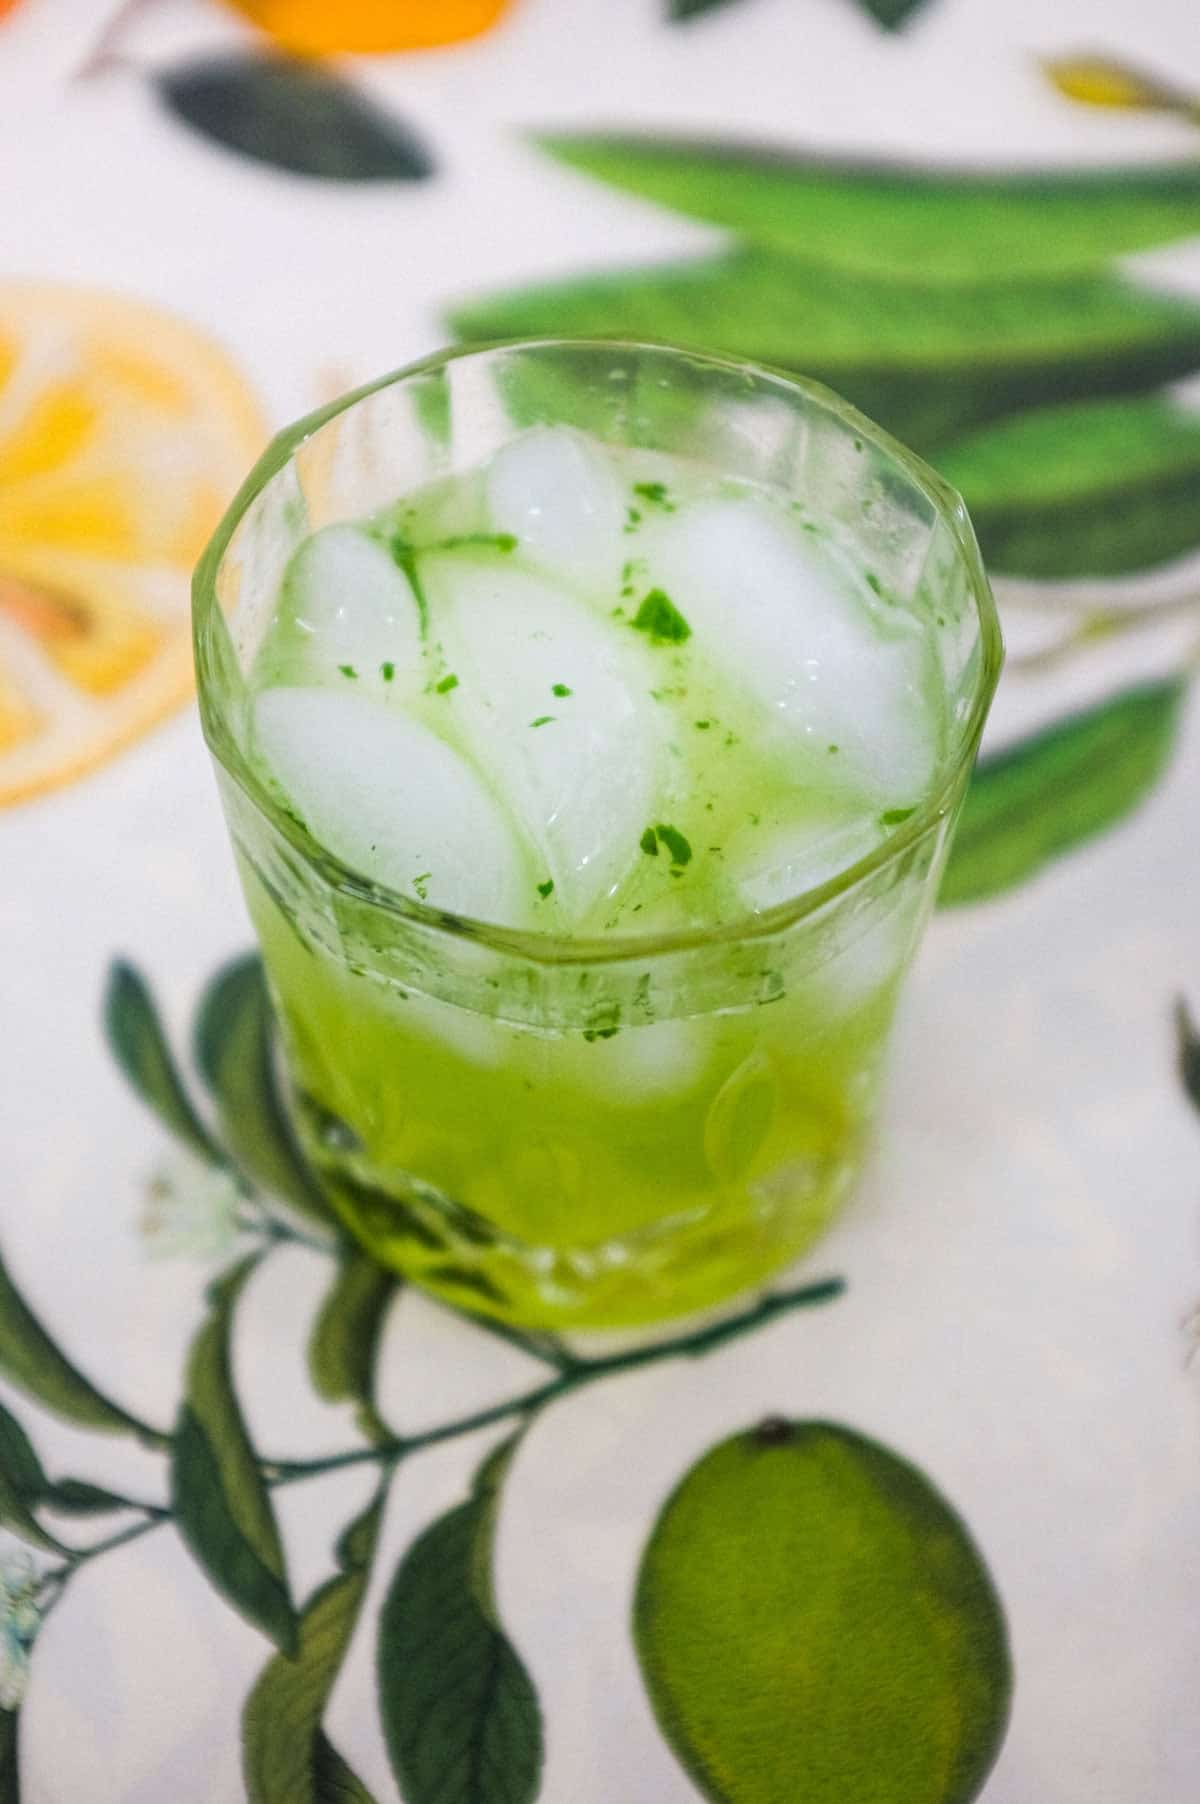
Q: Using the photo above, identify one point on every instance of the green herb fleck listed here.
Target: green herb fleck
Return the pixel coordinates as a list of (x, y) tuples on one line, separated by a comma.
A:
[(833, 748), (633, 519), (702, 726), (543, 720), (446, 685), (547, 888), (873, 583), (660, 620), (649, 842), (560, 689), (387, 671), (348, 670), (676, 844), (754, 819), (421, 884), (892, 817), (600, 1033), (656, 493)]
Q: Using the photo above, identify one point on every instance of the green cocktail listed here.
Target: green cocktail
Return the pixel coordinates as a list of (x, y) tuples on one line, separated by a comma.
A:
[(591, 721)]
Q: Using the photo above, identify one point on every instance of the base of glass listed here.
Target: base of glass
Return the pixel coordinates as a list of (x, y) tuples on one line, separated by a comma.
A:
[(681, 1266)]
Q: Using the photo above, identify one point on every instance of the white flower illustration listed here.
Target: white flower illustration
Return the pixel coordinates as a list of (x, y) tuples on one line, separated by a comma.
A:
[(20, 1619), (191, 1211)]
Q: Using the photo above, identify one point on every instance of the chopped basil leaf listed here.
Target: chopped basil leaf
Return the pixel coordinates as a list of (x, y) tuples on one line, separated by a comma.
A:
[(348, 670), (543, 720), (559, 689), (547, 888), (892, 817), (446, 685), (649, 842), (387, 671)]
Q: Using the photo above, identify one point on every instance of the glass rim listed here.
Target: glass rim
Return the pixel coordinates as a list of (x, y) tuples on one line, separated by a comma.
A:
[(556, 948)]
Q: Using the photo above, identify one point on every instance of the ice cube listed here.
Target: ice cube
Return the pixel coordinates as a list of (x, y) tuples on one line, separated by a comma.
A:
[(557, 493), (774, 867), (553, 702), (346, 607), (394, 802), (772, 612)]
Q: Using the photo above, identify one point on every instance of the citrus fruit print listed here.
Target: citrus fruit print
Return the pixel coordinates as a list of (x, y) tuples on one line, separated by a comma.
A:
[(315, 28), (123, 433)]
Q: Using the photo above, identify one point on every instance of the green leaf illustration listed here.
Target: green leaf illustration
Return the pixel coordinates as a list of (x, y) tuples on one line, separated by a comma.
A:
[(22, 1483), (345, 1338), (31, 1360), (813, 1621), (926, 360), (77, 1497), (140, 1047), (886, 219), (285, 1759), (233, 1039), (459, 1711), (1092, 489), (335, 1782), (891, 14), (19, 1464), (1052, 791), (10, 1780), (295, 116), (220, 1502), (680, 10), (1187, 1043)]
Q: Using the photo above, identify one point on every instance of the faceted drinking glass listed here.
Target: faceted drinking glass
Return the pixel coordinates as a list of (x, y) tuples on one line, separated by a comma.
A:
[(564, 1132)]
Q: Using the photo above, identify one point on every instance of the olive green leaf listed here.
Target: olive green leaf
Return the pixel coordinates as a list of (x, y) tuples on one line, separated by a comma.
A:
[(1052, 791), (886, 219), (1094, 488), (10, 1779), (926, 360), (220, 1502), (295, 116), (32, 1361), (285, 1757), (139, 1044), (814, 1623), (344, 1344), (1102, 81), (233, 1037), (460, 1715), (1187, 1043)]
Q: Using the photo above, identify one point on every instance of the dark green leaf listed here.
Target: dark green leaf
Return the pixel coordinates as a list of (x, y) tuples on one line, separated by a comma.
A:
[(926, 360), (1187, 1043), (19, 1464), (885, 218), (10, 1780), (459, 1712), (220, 1502), (1094, 489), (19, 1519), (335, 1783), (285, 1759), (233, 1037), (891, 14), (32, 1360), (1041, 797), (813, 1620), (76, 1497), (679, 10), (295, 116), (139, 1044), (345, 1338)]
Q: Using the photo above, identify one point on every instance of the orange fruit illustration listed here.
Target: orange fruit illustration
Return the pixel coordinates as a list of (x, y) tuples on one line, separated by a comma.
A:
[(123, 433), (318, 27)]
